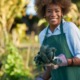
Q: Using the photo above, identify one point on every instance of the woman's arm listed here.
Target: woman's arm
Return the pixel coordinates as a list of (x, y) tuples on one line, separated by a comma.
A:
[(46, 74), (74, 61)]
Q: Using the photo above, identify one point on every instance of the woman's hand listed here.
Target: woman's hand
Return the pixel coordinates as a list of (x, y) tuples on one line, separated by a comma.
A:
[(61, 60), (47, 73), (51, 66)]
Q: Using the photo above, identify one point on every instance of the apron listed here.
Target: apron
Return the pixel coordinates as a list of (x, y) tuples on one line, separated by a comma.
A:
[(60, 43)]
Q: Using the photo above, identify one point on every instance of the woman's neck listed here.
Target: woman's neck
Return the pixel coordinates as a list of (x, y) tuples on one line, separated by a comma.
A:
[(52, 28)]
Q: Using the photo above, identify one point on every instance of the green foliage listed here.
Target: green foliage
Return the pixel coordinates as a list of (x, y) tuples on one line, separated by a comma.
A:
[(9, 9), (77, 3), (45, 55), (13, 61), (74, 11), (13, 66), (42, 21)]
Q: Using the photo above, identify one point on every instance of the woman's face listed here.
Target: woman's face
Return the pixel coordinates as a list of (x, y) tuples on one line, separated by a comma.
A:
[(53, 14)]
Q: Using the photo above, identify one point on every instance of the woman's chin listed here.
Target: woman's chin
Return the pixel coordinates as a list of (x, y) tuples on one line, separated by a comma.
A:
[(54, 24)]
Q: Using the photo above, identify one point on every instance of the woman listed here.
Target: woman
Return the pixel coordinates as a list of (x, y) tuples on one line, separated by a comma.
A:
[(64, 36)]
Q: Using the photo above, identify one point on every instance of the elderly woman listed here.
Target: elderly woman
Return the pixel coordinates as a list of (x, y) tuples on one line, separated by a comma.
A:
[(64, 36)]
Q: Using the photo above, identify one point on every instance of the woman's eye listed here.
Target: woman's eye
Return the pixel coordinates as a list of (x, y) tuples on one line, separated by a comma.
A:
[(48, 11), (57, 11)]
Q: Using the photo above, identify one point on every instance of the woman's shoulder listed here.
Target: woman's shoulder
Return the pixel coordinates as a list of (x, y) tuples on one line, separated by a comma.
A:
[(70, 26)]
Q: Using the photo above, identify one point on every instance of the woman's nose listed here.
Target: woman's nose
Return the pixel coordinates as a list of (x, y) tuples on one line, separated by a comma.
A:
[(53, 13)]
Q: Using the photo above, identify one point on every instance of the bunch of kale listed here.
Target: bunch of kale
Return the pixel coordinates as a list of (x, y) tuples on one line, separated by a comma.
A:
[(45, 56)]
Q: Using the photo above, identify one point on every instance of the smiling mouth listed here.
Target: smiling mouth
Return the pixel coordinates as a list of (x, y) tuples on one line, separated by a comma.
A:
[(53, 19)]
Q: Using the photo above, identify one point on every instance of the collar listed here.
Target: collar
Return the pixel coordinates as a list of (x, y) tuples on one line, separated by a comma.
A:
[(57, 28)]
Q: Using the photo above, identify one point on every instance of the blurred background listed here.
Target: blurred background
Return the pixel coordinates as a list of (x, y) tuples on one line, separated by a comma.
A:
[(19, 29)]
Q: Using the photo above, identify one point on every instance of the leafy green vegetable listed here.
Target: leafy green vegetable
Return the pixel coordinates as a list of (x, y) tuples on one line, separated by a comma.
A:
[(45, 55)]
